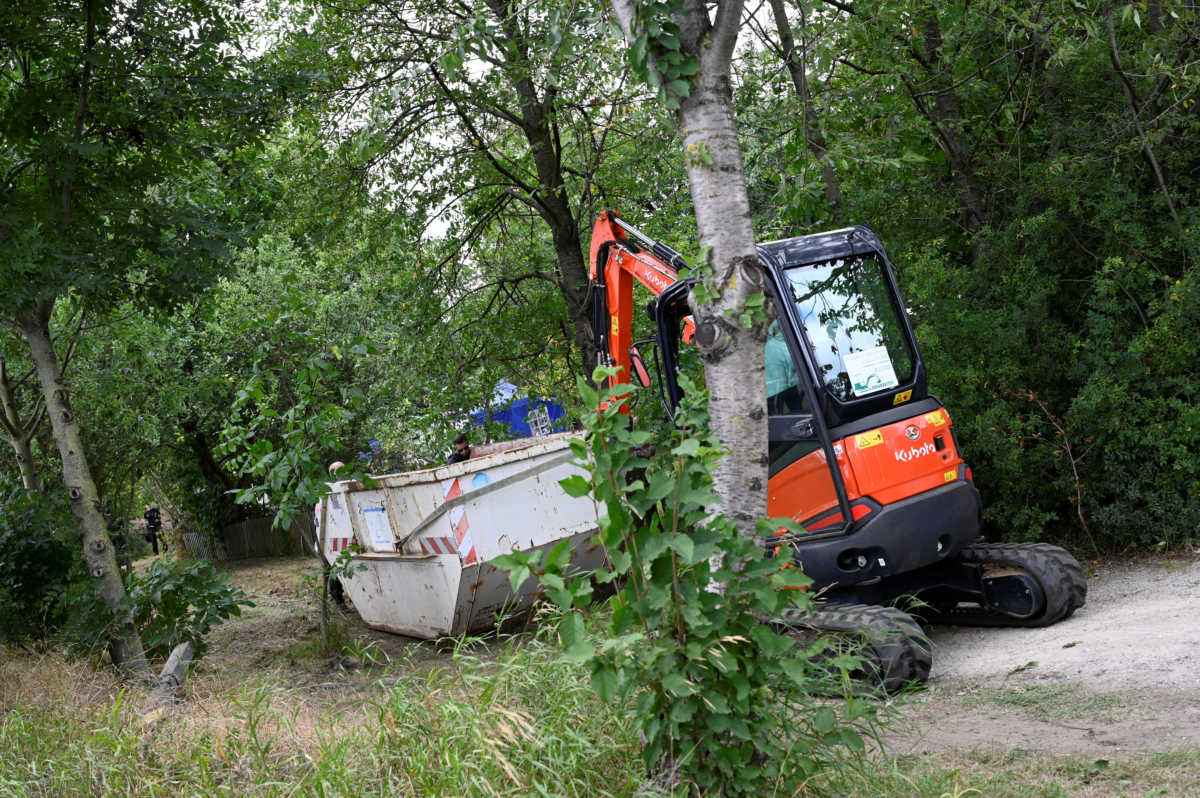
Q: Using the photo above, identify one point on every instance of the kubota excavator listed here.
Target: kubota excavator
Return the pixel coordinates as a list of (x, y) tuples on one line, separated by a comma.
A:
[(860, 454)]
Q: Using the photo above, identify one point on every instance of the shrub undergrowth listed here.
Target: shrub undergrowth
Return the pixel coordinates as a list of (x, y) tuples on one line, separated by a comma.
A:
[(173, 601), (39, 559)]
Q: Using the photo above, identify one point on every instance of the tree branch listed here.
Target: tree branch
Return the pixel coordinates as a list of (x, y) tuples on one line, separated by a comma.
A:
[(1131, 99)]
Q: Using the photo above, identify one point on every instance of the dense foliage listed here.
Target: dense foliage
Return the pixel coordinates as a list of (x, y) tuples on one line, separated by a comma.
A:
[(180, 602), (39, 559), (1032, 171), (171, 601)]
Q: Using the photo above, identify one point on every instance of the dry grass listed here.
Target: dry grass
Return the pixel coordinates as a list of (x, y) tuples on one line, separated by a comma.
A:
[(265, 714), (49, 682)]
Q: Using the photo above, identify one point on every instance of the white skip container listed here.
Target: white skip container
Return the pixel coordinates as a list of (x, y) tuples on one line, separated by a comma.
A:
[(427, 537)]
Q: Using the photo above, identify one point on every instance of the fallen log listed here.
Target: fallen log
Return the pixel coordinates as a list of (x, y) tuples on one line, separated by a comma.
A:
[(168, 688)]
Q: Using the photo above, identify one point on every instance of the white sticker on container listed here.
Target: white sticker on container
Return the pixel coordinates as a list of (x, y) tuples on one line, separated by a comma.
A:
[(379, 528)]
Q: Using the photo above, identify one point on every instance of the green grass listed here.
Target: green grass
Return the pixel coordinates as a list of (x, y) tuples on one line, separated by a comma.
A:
[(511, 718), (1021, 774), (1060, 700), (519, 721)]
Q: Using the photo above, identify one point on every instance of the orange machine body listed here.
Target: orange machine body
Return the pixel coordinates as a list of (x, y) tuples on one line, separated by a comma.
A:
[(886, 465)]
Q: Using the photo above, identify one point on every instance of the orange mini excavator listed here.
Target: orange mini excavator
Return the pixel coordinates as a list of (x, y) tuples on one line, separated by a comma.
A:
[(861, 455)]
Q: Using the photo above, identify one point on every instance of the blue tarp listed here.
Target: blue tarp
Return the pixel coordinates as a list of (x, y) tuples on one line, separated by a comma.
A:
[(514, 413)]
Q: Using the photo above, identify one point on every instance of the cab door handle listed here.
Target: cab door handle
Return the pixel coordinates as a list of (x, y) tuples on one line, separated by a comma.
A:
[(803, 429)]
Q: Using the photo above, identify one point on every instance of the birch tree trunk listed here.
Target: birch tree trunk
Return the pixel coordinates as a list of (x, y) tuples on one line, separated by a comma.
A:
[(733, 353), (124, 645)]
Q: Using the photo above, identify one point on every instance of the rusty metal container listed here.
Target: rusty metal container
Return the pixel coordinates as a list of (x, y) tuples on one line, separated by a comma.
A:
[(427, 537)]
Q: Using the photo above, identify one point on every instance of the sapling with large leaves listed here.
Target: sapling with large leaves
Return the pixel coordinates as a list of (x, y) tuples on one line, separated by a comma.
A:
[(724, 699)]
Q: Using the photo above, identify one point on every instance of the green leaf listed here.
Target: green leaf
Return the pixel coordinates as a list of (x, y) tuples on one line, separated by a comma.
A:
[(604, 681), (796, 671), (688, 67), (824, 720), (716, 703), (559, 556), (683, 710), (637, 55), (677, 684), (576, 486), (683, 545), (690, 447), (518, 572), (571, 629)]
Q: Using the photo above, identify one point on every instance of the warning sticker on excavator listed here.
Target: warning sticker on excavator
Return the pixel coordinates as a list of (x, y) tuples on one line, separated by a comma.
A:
[(936, 418), (902, 397), (868, 439), (949, 476)]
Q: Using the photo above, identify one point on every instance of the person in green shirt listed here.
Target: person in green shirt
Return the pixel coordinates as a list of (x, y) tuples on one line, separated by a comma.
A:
[(783, 392)]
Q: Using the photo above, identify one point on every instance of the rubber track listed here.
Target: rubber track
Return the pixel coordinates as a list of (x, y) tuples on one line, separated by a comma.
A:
[(896, 650), (1059, 574)]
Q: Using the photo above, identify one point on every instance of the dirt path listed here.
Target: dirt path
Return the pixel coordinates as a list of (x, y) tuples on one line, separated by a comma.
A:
[(1123, 674)]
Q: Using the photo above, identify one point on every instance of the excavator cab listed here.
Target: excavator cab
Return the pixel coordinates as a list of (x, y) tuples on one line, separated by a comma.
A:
[(859, 454), (836, 291)]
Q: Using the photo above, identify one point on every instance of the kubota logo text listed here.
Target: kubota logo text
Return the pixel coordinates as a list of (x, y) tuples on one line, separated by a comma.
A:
[(913, 452)]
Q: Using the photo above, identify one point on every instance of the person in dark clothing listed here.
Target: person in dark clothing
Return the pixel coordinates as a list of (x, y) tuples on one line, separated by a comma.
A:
[(462, 450), (153, 527)]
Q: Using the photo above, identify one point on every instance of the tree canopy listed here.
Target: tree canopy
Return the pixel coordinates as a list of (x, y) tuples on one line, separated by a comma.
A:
[(196, 200)]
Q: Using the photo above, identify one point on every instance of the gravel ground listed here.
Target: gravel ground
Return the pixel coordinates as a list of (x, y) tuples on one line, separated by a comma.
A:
[(1122, 674)]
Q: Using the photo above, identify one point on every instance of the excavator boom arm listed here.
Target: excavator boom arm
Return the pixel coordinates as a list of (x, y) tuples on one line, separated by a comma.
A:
[(620, 254)]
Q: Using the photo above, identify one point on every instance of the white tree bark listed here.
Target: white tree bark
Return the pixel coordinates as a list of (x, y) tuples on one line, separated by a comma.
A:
[(733, 354), (125, 645)]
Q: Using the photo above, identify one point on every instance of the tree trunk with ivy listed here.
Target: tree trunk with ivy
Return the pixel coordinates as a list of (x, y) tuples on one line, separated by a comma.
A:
[(690, 59), (125, 644)]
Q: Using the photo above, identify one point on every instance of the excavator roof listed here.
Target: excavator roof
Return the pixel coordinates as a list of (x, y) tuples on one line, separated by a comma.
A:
[(819, 247)]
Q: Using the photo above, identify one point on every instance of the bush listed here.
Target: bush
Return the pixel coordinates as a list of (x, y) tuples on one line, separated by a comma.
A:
[(39, 560), (180, 601), (173, 602), (1073, 385)]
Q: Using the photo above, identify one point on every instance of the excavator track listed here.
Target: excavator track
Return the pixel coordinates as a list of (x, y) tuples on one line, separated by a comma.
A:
[(1057, 574), (894, 650)]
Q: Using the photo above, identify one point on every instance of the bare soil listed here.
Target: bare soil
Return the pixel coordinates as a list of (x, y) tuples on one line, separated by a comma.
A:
[(1121, 675)]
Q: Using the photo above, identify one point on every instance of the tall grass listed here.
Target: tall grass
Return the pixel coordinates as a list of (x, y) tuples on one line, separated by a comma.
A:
[(519, 721), (509, 718)]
